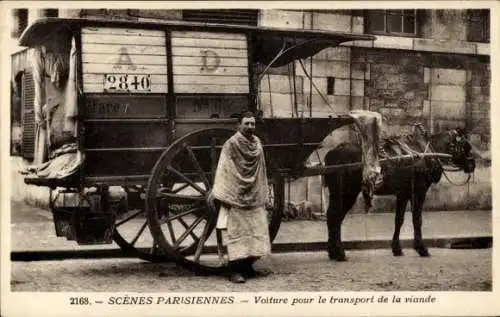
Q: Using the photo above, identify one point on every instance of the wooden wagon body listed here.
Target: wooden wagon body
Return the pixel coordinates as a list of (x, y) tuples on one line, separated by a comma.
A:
[(147, 107), (142, 85)]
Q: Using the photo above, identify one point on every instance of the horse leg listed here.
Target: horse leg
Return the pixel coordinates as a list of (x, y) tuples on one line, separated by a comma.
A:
[(334, 218), (398, 223), (417, 206), (343, 194)]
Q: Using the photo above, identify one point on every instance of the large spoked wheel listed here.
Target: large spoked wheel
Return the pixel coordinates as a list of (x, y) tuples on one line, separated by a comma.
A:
[(179, 217), (131, 229)]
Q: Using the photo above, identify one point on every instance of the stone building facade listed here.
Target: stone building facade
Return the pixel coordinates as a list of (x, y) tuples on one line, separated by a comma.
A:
[(433, 68), (430, 66)]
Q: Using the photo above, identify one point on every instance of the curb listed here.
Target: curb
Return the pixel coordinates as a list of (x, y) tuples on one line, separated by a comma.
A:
[(450, 243)]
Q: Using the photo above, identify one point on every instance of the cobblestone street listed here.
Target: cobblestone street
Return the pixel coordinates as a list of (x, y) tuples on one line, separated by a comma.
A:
[(369, 270)]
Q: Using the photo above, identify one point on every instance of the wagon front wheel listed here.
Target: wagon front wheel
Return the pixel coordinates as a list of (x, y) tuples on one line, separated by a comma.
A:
[(180, 219)]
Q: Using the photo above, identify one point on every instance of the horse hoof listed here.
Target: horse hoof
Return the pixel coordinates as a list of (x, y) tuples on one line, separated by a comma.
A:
[(336, 256), (423, 253), (397, 252)]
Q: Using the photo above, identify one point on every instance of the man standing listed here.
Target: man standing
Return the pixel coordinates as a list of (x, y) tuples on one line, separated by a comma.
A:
[(240, 186)]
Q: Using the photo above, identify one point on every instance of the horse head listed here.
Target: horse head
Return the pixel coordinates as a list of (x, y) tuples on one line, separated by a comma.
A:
[(456, 143)]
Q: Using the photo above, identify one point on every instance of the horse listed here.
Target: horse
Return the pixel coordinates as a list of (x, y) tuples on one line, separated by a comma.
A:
[(407, 181)]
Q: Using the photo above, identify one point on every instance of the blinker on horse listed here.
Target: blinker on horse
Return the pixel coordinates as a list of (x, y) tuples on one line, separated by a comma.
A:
[(407, 181)]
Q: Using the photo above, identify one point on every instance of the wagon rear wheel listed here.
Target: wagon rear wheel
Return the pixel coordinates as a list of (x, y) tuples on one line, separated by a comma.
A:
[(180, 219)]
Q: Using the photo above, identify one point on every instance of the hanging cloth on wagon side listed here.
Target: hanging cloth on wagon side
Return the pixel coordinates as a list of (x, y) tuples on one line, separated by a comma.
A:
[(65, 165), (54, 63)]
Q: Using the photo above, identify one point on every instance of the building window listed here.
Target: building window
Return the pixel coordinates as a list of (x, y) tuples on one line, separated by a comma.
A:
[(398, 22), (20, 22), (478, 26), (330, 84), (51, 13)]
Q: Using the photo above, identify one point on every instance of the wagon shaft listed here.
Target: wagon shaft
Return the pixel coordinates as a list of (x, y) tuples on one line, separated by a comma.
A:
[(402, 159)]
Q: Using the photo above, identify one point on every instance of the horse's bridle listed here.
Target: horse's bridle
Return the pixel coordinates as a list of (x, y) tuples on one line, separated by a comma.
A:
[(420, 127)]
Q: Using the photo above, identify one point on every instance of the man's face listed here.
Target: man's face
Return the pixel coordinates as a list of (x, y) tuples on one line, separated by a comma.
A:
[(247, 126)]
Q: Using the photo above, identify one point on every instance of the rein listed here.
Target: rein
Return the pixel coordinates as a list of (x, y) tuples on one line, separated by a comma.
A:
[(469, 176)]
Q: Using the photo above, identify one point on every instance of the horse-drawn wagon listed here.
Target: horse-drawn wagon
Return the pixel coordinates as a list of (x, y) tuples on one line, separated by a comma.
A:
[(145, 108)]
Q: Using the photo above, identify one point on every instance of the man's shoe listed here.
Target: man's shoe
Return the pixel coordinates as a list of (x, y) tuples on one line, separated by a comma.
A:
[(237, 278)]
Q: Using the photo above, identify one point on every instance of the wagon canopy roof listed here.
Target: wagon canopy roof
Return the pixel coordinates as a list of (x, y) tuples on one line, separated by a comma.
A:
[(267, 42)]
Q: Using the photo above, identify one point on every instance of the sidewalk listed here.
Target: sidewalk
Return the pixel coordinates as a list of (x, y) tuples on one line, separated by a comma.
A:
[(32, 229)]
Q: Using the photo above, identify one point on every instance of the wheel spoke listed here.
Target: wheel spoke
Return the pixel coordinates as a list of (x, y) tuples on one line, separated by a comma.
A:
[(187, 232), (195, 237), (139, 233), (171, 231), (198, 166), (201, 242), (189, 181), (129, 218)]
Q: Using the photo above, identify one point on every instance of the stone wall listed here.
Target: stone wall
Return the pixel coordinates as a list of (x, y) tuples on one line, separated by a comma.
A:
[(19, 191), (394, 86), (478, 103), (444, 24), (340, 21), (442, 91)]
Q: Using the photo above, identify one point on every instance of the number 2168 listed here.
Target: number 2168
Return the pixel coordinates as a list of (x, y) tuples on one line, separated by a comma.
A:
[(79, 301)]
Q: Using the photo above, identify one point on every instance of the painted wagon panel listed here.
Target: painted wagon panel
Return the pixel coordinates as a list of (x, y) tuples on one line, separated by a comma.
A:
[(124, 60), (209, 62), (99, 106)]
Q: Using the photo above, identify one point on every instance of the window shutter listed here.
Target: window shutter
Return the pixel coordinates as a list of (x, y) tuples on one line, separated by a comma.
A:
[(240, 17), (28, 97)]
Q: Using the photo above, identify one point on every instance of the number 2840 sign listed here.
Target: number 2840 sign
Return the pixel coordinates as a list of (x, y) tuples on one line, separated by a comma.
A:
[(127, 82)]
